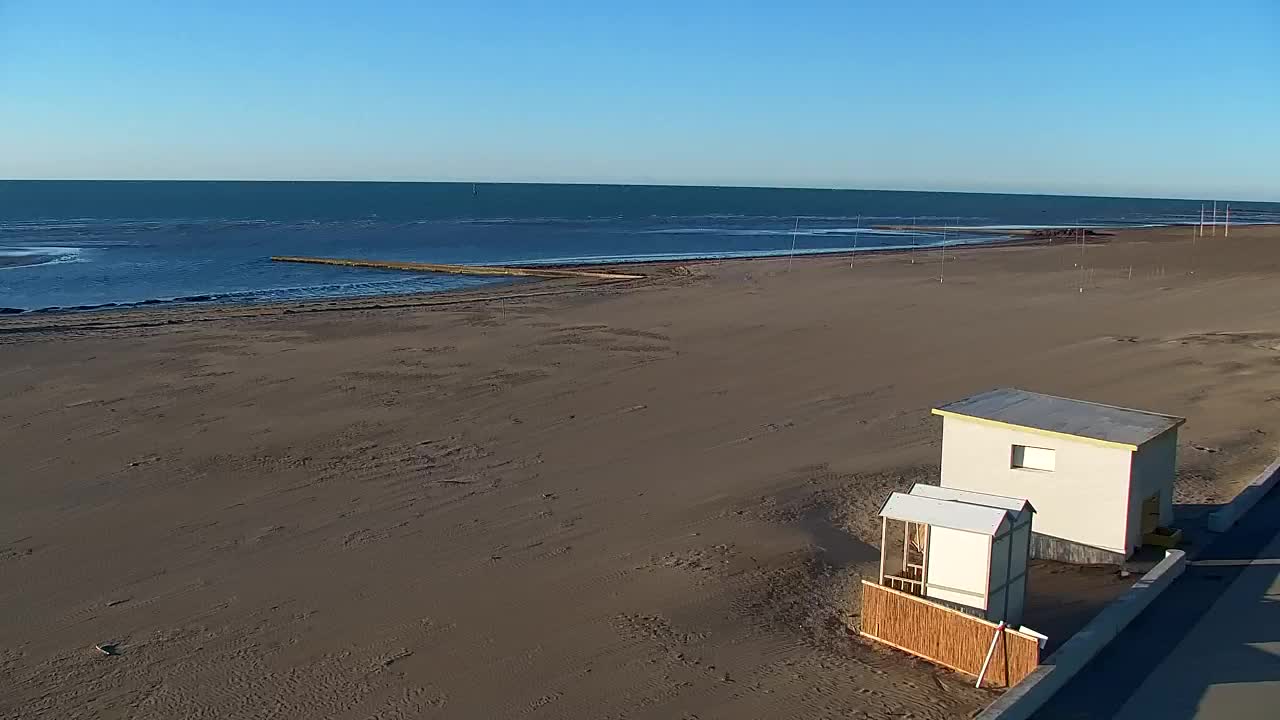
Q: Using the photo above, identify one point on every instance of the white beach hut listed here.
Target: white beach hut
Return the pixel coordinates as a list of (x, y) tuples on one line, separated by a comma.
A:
[(1100, 477), (963, 549)]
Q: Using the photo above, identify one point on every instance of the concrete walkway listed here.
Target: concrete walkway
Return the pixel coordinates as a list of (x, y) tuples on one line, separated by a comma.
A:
[(1208, 648)]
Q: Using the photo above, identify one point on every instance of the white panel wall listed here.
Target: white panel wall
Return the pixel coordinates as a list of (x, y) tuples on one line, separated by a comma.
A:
[(996, 602), (1000, 561), (1021, 549), (1085, 499), (1008, 571), (958, 560), (1017, 601)]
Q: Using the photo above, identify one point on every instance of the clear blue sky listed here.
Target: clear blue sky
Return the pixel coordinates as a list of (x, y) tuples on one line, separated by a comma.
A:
[(1170, 98)]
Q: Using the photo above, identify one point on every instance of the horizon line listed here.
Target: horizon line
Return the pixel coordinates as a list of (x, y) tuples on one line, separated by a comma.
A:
[(586, 183)]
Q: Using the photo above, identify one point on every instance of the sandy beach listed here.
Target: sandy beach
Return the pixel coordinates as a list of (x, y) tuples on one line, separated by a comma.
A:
[(636, 500)]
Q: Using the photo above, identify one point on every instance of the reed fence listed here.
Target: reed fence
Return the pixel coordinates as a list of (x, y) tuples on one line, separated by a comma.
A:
[(945, 636)]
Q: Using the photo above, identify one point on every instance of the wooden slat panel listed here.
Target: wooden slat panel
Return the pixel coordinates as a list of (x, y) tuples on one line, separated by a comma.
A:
[(945, 636)]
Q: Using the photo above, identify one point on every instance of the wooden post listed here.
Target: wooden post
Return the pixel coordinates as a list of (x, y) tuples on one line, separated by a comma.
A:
[(986, 584), (906, 543), (991, 651), (1004, 649), (884, 532), (924, 562)]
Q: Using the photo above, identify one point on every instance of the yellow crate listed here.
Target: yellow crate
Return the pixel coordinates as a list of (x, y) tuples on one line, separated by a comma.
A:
[(1163, 537)]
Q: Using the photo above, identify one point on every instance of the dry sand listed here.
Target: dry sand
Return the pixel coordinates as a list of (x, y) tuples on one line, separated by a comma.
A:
[(642, 502)]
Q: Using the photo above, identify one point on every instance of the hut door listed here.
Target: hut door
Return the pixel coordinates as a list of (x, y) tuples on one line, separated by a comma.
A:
[(1150, 514)]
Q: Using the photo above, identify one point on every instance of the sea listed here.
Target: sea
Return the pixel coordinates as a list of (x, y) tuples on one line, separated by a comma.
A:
[(70, 246)]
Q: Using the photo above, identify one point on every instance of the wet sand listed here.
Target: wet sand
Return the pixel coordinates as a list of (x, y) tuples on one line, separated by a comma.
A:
[(643, 501)]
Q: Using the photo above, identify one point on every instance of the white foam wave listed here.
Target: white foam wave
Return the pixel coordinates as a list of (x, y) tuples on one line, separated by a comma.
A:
[(45, 255), (733, 254)]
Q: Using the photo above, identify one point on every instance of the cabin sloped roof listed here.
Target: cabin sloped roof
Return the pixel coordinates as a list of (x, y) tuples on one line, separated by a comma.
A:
[(1106, 424), (945, 513), (1012, 504)]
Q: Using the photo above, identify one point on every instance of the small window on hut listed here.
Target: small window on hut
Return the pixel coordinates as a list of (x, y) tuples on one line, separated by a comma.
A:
[(1033, 458)]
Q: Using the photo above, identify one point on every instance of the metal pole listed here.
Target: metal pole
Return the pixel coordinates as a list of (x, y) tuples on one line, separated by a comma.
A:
[(856, 232), (913, 240), (1081, 259), (1215, 218), (792, 257), (1226, 229), (942, 273)]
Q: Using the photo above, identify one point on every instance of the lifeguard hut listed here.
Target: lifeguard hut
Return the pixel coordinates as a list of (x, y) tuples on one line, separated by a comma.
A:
[(962, 549)]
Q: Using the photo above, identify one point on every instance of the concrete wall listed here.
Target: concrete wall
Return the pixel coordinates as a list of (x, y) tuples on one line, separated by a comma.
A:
[(1024, 699), (1155, 466), (1047, 547), (1225, 517), (958, 559), (1085, 499)]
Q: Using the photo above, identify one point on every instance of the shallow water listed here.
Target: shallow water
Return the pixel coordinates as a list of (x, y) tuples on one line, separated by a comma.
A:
[(85, 245)]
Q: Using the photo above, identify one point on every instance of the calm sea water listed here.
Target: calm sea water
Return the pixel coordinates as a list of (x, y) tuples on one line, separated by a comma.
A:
[(69, 245)]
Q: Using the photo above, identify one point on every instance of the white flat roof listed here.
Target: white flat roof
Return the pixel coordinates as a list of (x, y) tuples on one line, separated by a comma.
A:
[(1107, 424), (1013, 504), (951, 514)]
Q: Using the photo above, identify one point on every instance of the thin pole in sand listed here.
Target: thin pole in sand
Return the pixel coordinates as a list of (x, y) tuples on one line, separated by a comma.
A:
[(942, 269), (792, 257), (1215, 218), (1226, 229), (1201, 219), (857, 230), (1081, 232), (913, 240)]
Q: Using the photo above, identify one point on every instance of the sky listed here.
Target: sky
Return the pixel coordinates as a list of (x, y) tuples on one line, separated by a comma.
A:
[(1176, 98)]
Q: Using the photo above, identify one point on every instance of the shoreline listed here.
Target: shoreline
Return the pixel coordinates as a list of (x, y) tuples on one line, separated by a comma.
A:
[(212, 302), (1014, 237)]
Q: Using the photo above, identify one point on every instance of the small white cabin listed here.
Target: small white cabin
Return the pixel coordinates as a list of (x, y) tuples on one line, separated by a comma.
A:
[(1100, 477), (964, 549)]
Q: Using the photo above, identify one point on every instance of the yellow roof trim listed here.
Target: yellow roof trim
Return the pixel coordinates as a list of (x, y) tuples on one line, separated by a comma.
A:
[(1035, 430)]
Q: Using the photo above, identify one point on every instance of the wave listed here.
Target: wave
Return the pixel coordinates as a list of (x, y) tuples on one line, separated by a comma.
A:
[(26, 257), (802, 232), (733, 254)]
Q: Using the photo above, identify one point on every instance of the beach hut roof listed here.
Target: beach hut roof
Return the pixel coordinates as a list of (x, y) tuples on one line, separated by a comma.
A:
[(944, 513), (1051, 415), (1012, 504)]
